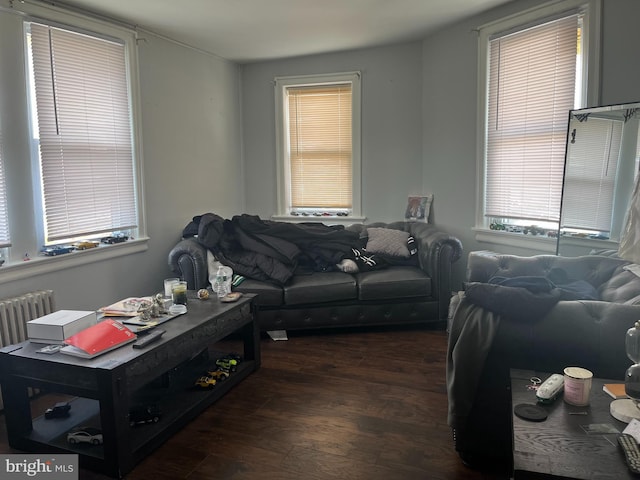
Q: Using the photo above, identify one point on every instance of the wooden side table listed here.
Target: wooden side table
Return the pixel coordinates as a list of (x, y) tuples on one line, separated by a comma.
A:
[(572, 443)]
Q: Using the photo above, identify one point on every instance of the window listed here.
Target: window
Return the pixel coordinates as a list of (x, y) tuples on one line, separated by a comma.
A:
[(536, 69), (69, 156), (84, 126), (318, 120)]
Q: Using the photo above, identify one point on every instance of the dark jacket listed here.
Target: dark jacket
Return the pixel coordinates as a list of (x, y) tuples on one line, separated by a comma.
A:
[(269, 250)]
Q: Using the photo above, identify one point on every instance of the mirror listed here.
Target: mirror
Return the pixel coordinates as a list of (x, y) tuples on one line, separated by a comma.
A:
[(601, 165)]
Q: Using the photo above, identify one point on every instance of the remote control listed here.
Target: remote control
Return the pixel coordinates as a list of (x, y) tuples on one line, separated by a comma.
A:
[(631, 452), (550, 388), (148, 338)]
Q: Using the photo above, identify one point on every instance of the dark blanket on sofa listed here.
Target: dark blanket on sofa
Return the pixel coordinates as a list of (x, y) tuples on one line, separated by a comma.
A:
[(273, 251), (528, 297)]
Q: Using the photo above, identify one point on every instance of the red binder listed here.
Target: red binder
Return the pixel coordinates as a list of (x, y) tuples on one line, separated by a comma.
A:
[(98, 339)]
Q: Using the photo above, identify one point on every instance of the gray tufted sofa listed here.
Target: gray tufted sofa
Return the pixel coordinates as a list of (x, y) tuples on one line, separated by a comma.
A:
[(484, 345), (393, 295)]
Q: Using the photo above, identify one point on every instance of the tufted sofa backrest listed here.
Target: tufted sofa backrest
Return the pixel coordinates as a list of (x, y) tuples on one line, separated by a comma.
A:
[(362, 227), (607, 274), (431, 259)]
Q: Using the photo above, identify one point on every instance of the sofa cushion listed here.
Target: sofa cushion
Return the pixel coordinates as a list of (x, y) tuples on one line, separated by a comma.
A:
[(387, 241), (395, 282), (268, 293), (622, 287), (320, 287)]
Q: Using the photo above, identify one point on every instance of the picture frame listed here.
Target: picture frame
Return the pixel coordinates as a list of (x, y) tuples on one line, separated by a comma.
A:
[(418, 207)]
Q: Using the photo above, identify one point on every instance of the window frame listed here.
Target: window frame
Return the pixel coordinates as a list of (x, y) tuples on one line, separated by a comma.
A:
[(282, 159), (590, 96), (5, 234), (24, 211), (89, 155)]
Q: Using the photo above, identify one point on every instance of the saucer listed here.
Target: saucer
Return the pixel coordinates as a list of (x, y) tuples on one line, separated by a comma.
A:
[(176, 309)]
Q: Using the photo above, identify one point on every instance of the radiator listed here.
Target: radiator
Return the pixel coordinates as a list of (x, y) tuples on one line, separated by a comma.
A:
[(16, 312)]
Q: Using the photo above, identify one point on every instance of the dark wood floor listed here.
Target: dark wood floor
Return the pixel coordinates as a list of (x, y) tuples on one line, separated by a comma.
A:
[(357, 405)]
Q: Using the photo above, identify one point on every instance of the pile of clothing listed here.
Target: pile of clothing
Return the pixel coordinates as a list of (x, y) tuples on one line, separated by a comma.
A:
[(275, 251)]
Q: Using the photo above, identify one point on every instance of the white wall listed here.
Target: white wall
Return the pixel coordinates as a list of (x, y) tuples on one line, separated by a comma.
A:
[(192, 165), (391, 125), (621, 40)]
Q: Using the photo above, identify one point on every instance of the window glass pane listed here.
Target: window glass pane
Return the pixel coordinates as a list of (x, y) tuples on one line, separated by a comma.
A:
[(84, 123), (320, 146)]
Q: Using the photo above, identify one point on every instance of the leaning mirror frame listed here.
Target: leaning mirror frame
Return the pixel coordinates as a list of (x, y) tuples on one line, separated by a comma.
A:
[(601, 166)]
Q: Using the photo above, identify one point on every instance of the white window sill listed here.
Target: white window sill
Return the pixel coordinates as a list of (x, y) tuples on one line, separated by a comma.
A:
[(593, 243), (328, 220), (541, 244), (538, 243), (42, 264)]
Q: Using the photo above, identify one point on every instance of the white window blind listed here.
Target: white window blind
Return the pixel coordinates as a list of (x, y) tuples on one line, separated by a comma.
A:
[(532, 83), (590, 177), (84, 123), (320, 146), (5, 240)]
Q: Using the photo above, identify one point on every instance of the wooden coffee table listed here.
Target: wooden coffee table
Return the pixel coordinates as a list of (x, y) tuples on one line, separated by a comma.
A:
[(570, 442), (105, 389)]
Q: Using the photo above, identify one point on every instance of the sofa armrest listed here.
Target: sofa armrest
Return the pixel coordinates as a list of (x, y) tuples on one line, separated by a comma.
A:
[(437, 252), (188, 260)]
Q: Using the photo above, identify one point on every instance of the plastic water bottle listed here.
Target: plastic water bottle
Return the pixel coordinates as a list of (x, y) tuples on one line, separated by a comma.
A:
[(222, 284)]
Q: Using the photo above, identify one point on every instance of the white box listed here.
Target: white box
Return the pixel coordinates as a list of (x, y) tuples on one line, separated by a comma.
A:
[(57, 326)]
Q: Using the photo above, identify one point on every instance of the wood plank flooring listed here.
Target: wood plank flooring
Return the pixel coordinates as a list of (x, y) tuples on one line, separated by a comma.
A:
[(330, 405)]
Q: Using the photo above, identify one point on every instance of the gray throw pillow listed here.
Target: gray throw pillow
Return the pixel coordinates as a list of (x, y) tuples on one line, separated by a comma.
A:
[(388, 241)]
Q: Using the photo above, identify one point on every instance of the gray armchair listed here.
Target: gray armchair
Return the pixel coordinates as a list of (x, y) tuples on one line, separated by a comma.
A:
[(484, 344)]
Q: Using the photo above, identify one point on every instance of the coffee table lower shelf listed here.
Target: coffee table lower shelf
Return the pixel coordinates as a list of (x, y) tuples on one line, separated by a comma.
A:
[(179, 404), (573, 442)]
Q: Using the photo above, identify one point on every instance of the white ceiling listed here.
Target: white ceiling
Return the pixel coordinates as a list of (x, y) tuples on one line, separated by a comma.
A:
[(252, 30)]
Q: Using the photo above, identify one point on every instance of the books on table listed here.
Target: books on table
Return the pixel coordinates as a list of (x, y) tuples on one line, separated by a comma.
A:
[(128, 311), (98, 339), (129, 307), (615, 390)]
